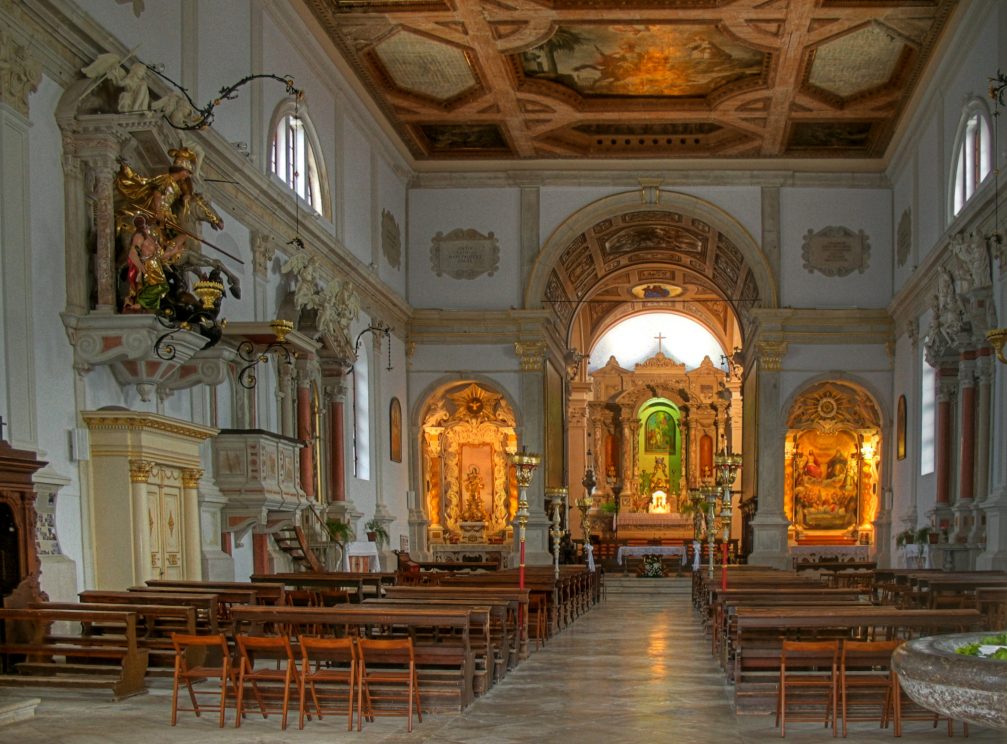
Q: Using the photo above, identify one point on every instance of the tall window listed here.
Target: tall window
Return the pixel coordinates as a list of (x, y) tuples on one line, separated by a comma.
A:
[(295, 156), (928, 421), (973, 154)]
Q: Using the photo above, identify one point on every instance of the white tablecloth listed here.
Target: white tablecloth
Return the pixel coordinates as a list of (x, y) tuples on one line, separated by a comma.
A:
[(813, 553), (628, 550), (364, 549)]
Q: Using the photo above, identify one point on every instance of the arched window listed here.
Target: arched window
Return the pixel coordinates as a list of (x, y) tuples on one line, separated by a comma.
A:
[(295, 156), (973, 154)]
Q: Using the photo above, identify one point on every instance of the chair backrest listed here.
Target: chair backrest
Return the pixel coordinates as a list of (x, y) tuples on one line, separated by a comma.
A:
[(327, 649), (809, 653), (278, 645), (386, 650), (182, 641), (301, 598), (869, 654)]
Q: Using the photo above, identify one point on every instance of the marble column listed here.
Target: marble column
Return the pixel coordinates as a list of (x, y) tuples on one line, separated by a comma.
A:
[(769, 526), (192, 550), (946, 386), (336, 398), (532, 355), (306, 433), (963, 508), (21, 76), (286, 399)]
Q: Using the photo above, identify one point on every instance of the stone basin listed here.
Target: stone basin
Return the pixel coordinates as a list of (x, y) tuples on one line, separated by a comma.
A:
[(966, 688)]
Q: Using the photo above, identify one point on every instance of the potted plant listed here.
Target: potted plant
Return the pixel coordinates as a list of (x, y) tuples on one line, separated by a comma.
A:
[(339, 532), (926, 534), (906, 537), (376, 532)]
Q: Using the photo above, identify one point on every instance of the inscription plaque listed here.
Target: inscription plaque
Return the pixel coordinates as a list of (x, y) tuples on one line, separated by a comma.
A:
[(835, 251), (464, 254)]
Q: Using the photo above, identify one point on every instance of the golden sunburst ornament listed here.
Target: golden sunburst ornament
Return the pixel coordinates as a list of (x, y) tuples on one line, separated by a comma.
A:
[(475, 403)]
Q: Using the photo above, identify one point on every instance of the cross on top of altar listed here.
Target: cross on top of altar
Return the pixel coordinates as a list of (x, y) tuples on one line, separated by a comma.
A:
[(660, 338)]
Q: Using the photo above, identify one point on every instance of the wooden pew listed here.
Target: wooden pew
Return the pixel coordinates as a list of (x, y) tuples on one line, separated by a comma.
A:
[(759, 632), (266, 592), (207, 606), (485, 643), (31, 652), (360, 584), (226, 598), (444, 659), (155, 624), (517, 607)]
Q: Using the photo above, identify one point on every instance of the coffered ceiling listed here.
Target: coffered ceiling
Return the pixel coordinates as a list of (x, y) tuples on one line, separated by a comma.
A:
[(615, 79)]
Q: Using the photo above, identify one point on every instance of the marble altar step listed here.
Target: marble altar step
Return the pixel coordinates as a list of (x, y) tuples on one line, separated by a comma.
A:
[(669, 585), (14, 709)]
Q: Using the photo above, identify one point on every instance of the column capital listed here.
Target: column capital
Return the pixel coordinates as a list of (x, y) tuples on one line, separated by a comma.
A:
[(531, 355), (20, 74), (139, 470), (191, 476), (770, 354)]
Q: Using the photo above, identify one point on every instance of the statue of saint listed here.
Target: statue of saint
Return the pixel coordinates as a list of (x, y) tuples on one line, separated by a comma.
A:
[(473, 511), (973, 261)]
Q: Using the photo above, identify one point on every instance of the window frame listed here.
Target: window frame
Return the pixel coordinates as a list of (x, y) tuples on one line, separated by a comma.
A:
[(315, 195), (972, 156)]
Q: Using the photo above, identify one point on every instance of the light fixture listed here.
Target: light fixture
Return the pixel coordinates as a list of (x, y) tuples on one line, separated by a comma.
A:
[(246, 350), (377, 328), (524, 463), (557, 496)]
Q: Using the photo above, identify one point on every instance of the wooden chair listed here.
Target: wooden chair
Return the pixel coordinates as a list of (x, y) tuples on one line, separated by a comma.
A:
[(328, 673), (866, 680), (807, 677), (212, 648), (269, 683), (384, 665)]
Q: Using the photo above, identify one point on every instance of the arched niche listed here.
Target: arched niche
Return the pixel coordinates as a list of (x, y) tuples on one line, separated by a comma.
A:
[(832, 463)]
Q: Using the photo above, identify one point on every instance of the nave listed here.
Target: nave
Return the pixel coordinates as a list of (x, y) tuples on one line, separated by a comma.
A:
[(637, 667)]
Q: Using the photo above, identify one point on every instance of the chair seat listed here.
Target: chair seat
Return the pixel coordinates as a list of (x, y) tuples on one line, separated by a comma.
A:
[(808, 679), (387, 679), (198, 680)]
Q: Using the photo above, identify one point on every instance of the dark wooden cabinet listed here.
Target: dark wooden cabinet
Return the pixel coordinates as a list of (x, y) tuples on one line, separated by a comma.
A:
[(19, 561)]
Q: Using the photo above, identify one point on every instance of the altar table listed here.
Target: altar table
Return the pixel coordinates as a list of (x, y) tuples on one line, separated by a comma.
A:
[(363, 556), (639, 550)]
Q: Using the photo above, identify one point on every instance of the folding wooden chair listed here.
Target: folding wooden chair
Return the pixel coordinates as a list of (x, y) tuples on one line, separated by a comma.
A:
[(866, 680), (387, 674), (262, 668), (209, 647), (807, 678), (329, 675)]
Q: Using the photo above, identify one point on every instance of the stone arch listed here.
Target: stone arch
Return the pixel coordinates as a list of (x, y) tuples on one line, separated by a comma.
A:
[(730, 261)]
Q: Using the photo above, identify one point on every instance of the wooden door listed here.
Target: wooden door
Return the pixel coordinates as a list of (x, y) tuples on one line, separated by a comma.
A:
[(164, 516)]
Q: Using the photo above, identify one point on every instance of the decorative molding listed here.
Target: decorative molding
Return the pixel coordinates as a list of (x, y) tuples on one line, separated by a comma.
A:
[(139, 470), (464, 254), (263, 252), (191, 476), (391, 239), (138, 421), (20, 74), (532, 355), (835, 251)]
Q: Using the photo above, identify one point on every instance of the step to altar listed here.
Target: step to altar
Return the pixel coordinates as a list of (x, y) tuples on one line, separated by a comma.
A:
[(616, 585), (17, 709)]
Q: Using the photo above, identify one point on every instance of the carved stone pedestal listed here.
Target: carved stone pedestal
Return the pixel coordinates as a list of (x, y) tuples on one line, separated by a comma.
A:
[(473, 532)]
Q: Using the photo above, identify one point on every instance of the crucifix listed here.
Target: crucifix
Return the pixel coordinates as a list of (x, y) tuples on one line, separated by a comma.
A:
[(660, 338)]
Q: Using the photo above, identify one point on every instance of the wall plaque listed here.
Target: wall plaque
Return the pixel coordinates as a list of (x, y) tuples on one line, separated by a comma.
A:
[(391, 239), (835, 251), (464, 254)]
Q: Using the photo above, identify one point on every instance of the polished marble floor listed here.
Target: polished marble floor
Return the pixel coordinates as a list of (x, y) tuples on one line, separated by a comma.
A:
[(634, 669)]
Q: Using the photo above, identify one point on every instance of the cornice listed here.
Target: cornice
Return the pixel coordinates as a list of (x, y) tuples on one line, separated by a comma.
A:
[(140, 421), (478, 326), (822, 326)]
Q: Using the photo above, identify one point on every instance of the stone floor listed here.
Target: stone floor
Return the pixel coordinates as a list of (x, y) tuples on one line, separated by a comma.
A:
[(634, 669)]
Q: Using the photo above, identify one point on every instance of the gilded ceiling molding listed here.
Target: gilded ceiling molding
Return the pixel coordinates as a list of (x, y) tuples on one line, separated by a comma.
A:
[(20, 74)]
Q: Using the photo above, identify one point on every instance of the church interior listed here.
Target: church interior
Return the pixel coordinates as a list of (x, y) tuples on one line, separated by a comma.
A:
[(554, 291)]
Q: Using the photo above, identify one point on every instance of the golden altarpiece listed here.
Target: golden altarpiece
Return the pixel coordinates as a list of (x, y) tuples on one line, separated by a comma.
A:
[(832, 468), (654, 430), (470, 495)]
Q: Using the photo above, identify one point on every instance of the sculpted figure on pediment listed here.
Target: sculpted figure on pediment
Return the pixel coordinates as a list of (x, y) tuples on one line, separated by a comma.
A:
[(973, 257)]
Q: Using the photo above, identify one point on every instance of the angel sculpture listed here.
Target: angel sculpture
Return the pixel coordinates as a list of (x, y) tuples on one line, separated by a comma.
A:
[(134, 95)]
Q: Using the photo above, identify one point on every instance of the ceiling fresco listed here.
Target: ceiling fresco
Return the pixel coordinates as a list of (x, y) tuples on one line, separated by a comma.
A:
[(547, 79)]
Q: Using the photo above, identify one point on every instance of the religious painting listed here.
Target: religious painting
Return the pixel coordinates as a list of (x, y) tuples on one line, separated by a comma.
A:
[(395, 430), (660, 432), (900, 429), (826, 480), (654, 59), (468, 138)]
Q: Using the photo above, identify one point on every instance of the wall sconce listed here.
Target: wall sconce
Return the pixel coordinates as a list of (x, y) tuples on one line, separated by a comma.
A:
[(997, 337), (246, 350)]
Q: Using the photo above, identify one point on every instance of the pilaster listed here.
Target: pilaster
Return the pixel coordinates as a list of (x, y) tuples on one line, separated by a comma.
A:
[(531, 355)]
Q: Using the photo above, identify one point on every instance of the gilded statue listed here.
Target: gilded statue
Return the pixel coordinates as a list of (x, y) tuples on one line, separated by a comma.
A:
[(473, 511)]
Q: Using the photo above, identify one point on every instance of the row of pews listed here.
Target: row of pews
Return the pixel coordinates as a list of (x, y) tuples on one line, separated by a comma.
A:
[(750, 616), (467, 630)]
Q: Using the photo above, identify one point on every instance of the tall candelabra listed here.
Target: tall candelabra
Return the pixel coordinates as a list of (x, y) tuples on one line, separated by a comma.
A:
[(727, 465), (524, 465), (557, 497), (709, 495), (584, 504)]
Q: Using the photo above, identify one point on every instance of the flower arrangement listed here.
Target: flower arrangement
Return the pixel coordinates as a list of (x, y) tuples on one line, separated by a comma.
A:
[(652, 567)]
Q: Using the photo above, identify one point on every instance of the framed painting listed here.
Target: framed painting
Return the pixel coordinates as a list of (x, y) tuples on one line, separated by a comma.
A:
[(395, 430), (900, 429), (659, 432)]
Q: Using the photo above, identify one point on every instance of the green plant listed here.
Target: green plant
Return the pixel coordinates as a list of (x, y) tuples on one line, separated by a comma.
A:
[(380, 533), (339, 532), (609, 507), (923, 534), (906, 537)]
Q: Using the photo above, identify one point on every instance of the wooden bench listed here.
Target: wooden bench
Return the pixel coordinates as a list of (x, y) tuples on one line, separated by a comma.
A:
[(444, 659), (266, 592), (155, 624), (207, 606), (759, 632), (33, 656), (361, 585)]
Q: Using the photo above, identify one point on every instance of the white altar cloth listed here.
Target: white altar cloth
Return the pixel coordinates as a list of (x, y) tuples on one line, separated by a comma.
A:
[(629, 550), (364, 549), (646, 520)]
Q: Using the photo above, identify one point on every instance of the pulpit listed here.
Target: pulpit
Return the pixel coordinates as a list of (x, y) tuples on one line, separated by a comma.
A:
[(19, 561)]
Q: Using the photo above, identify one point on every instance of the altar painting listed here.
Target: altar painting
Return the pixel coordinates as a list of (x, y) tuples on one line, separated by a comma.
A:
[(477, 482), (826, 491), (660, 458)]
